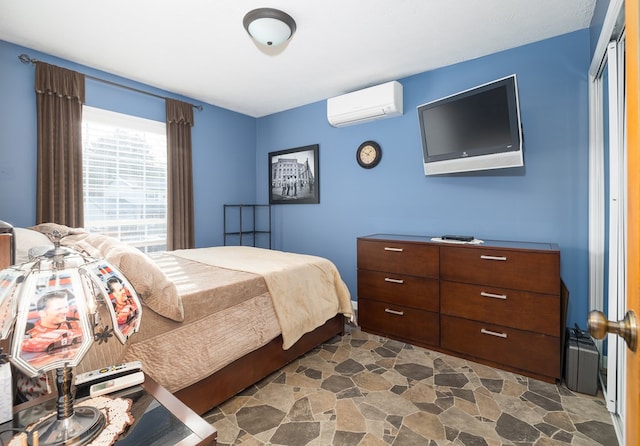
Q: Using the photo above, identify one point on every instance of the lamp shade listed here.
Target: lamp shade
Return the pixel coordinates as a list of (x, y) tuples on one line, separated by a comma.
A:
[(51, 302), (269, 26), (52, 326)]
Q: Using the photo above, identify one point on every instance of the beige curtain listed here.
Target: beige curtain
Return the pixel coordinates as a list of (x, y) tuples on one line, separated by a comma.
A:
[(59, 99), (180, 226)]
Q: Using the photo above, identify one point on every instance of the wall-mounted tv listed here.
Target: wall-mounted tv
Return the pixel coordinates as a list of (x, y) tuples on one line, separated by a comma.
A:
[(476, 129)]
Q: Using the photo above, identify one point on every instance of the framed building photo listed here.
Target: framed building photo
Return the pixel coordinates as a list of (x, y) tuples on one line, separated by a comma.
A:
[(293, 176)]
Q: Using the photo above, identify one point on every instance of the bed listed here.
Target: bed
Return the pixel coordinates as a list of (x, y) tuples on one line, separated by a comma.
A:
[(215, 320)]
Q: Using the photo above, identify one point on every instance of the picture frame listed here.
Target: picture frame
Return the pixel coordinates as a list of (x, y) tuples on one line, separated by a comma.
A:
[(293, 176)]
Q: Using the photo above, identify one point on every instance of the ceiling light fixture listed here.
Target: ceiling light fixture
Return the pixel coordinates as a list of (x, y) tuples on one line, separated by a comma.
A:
[(269, 26)]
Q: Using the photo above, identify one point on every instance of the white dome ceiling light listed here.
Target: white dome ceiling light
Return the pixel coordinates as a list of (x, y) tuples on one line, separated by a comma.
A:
[(268, 26)]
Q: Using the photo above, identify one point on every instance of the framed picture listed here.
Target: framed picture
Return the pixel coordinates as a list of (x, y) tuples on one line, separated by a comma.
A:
[(293, 176)]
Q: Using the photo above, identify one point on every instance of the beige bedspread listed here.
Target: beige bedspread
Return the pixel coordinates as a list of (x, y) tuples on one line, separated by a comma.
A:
[(210, 306), (227, 314), (306, 290)]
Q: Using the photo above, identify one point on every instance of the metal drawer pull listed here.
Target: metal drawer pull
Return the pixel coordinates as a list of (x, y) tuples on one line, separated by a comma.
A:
[(389, 279), (495, 296), (493, 333), (397, 313), (501, 258), (386, 248)]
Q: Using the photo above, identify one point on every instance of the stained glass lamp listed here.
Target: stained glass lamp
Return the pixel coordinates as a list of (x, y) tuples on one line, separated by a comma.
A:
[(49, 309)]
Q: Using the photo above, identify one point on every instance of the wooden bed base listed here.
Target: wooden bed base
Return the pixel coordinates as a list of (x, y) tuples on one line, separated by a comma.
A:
[(242, 373), (253, 367)]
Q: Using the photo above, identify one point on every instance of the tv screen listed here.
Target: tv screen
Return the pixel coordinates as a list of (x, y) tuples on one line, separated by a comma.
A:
[(476, 129)]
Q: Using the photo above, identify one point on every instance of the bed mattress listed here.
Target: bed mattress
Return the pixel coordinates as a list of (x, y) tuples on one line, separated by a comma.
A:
[(228, 313), (203, 309)]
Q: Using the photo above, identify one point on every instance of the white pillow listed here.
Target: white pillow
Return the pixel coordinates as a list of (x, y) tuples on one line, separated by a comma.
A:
[(26, 239)]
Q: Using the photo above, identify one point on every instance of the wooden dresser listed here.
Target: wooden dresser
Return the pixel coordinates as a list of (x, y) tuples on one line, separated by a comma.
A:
[(498, 303)]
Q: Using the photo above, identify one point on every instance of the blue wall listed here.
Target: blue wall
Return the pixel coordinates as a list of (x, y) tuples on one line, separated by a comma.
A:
[(597, 22), (223, 142), (546, 201)]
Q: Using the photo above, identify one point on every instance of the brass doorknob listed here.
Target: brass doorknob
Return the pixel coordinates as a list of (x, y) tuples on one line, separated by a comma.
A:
[(627, 328)]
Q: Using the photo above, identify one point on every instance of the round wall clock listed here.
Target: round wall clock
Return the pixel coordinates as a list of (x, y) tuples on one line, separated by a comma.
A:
[(369, 154)]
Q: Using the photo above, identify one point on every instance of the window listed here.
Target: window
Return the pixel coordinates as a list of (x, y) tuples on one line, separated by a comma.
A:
[(125, 178)]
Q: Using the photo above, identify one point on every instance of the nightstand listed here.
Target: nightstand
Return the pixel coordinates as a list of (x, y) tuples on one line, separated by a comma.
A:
[(159, 418)]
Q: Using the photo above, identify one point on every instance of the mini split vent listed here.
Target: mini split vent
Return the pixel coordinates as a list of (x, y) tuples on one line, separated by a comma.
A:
[(378, 102)]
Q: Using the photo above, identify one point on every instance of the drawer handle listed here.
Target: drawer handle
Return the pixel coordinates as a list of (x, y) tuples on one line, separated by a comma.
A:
[(493, 333), (389, 279), (501, 258), (386, 248), (397, 313), (495, 296)]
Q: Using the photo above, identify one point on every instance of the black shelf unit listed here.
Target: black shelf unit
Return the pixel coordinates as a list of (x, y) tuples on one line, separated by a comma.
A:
[(247, 225)]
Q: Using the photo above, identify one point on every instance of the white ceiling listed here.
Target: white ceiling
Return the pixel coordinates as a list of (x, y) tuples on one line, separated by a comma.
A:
[(199, 48)]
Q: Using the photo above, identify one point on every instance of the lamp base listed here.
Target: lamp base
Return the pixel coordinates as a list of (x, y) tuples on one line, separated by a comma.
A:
[(84, 425)]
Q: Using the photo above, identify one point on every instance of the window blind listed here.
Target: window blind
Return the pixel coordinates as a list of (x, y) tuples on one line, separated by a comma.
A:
[(125, 178)]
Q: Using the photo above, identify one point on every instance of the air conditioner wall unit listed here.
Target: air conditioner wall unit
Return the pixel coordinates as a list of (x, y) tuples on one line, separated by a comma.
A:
[(369, 104)]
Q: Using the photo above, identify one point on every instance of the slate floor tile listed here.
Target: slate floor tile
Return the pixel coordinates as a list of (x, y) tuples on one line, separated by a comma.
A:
[(405, 395)]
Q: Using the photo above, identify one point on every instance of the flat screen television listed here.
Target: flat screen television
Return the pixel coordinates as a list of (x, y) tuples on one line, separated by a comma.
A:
[(476, 129)]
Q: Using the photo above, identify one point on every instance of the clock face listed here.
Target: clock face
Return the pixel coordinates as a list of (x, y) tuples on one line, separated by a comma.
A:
[(369, 154)]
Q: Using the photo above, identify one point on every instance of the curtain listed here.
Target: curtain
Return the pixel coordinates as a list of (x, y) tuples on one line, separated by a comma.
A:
[(180, 225), (59, 99)]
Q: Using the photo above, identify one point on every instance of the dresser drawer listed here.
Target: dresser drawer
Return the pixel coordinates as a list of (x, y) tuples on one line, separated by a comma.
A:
[(528, 351), (398, 257), (410, 291), (511, 308), (396, 321), (522, 270)]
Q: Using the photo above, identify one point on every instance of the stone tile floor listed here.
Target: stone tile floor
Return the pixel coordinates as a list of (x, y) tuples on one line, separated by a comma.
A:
[(366, 390)]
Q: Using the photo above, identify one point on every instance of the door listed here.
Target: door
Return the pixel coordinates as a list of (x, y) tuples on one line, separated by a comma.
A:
[(616, 221), (632, 11), (608, 200), (631, 261), (613, 205)]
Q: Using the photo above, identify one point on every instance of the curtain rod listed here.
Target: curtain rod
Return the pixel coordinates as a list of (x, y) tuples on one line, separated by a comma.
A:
[(26, 59)]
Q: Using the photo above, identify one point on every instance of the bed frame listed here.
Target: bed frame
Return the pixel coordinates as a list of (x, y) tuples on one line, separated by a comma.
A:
[(253, 367), (240, 374)]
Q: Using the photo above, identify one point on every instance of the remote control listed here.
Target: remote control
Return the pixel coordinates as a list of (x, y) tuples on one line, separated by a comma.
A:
[(460, 238), (114, 371), (115, 384)]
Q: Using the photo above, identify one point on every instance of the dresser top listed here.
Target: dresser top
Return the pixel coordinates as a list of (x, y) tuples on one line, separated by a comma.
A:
[(485, 243)]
